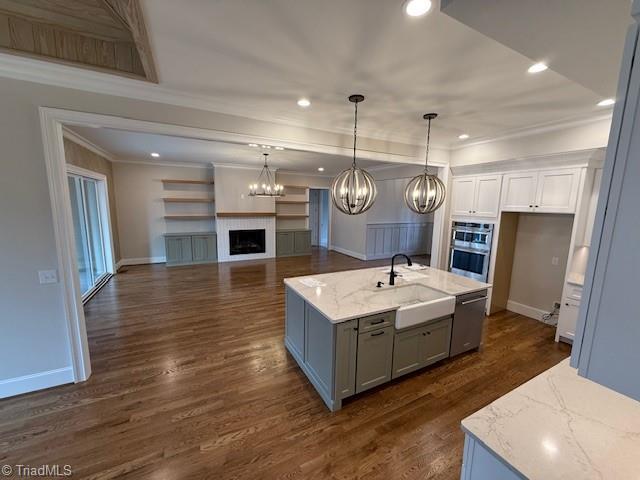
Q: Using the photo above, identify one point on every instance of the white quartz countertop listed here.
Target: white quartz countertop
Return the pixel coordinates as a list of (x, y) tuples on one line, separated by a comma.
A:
[(562, 426), (341, 296)]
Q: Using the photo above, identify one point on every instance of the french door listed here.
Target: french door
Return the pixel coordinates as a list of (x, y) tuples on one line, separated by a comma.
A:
[(91, 232)]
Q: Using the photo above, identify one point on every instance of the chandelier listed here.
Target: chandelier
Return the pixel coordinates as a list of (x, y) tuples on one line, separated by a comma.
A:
[(353, 191), (266, 185), (425, 193)]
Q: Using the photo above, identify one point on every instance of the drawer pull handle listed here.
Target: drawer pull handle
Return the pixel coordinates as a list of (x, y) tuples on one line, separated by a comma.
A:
[(377, 322), (375, 334), (474, 300)]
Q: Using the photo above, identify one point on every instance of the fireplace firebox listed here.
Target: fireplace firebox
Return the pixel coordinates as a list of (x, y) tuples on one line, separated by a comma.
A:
[(244, 242)]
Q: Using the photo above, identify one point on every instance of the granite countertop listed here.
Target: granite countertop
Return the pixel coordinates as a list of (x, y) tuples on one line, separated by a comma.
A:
[(560, 425), (342, 296)]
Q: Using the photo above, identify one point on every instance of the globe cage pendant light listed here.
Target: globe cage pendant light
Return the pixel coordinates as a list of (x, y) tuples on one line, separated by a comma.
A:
[(425, 193), (353, 191), (266, 185)]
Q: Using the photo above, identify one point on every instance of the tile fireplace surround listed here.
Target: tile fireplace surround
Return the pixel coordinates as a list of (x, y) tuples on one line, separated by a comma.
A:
[(224, 224)]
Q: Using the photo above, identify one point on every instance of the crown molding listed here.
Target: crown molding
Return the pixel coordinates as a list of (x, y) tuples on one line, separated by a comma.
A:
[(155, 163), (301, 174), (83, 142), (591, 157), (535, 130)]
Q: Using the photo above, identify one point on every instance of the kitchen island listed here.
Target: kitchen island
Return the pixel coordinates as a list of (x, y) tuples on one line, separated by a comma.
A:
[(351, 331)]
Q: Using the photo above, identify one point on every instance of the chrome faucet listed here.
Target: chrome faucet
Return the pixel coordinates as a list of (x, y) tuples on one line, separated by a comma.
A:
[(392, 274)]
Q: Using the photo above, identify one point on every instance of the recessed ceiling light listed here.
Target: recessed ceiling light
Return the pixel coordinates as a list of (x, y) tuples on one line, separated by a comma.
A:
[(155, 155), (304, 102), (279, 148), (464, 136), (607, 102), (321, 169), (265, 146), (537, 67), (254, 145), (417, 8)]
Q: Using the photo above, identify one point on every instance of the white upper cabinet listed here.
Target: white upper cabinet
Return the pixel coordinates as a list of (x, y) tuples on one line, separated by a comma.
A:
[(476, 196), (557, 191), (463, 195), (545, 191), (519, 192), (487, 198)]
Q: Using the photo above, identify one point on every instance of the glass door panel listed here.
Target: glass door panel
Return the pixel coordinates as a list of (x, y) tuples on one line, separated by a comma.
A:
[(80, 234), (94, 229)]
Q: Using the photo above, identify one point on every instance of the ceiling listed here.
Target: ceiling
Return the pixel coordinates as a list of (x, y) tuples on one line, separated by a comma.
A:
[(580, 39), (134, 146), (257, 58)]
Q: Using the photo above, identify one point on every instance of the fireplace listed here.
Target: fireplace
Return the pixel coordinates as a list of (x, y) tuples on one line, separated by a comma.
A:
[(244, 242)]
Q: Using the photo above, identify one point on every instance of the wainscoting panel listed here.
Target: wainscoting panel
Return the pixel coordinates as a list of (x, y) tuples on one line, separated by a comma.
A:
[(385, 239)]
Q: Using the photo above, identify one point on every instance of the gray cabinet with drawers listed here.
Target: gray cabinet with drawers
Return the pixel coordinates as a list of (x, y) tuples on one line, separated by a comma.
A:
[(293, 242), (421, 346), (190, 248)]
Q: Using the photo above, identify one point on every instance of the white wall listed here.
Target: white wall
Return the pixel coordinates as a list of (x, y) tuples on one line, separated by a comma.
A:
[(232, 191), (573, 139), (141, 210)]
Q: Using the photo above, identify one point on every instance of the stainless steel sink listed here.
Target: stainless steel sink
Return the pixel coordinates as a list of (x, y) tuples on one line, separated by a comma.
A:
[(418, 304)]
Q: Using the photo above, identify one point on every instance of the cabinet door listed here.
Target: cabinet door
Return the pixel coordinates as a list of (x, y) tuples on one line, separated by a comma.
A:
[(375, 356), (568, 319), (284, 244), (557, 191), (346, 351), (204, 248), (178, 250), (487, 196), (519, 191), (407, 351), (436, 340), (463, 196), (302, 242)]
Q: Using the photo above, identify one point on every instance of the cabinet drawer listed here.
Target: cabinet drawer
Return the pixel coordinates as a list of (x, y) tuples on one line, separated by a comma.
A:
[(374, 322)]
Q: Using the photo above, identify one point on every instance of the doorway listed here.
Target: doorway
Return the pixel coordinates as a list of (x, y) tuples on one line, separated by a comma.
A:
[(319, 216), (91, 230)]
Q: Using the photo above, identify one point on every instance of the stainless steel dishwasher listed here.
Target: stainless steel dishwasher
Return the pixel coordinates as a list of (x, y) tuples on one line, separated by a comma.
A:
[(468, 320)]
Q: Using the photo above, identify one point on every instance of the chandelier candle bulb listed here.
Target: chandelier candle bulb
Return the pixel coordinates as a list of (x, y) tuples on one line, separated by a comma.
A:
[(267, 181)]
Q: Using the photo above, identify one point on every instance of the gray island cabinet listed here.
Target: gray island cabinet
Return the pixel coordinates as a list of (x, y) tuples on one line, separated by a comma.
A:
[(345, 345)]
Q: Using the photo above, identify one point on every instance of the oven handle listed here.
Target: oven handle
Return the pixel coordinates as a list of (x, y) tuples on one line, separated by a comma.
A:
[(471, 250)]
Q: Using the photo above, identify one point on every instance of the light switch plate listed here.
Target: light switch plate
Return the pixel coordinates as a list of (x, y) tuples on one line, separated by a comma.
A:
[(47, 276), (555, 261)]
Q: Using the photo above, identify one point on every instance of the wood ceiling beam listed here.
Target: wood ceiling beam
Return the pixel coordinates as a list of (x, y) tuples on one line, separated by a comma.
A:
[(129, 13)]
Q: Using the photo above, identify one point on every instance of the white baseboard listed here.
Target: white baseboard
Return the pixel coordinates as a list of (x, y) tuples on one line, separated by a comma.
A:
[(35, 381), (526, 310), (344, 251), (140, 261)]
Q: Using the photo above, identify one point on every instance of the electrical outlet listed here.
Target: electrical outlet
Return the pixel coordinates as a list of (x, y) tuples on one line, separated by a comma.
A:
[(555, 261), (47, 276), (556, 305)]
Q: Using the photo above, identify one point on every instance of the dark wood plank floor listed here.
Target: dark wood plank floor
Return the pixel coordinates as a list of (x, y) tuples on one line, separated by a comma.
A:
[(191, 380)]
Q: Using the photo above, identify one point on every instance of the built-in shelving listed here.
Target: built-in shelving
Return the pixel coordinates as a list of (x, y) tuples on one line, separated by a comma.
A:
[(292, 202), (190, 182), (292, 211), (189, 217), (291, 215), (188, 200)]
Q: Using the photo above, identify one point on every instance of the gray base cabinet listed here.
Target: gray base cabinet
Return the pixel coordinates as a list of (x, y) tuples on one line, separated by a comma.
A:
[(293, 242), (190, 248), (421, 346), (343, 359)]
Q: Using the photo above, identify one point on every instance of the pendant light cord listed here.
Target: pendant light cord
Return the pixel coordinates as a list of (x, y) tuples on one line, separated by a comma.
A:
[(426, 158), (355, 135)]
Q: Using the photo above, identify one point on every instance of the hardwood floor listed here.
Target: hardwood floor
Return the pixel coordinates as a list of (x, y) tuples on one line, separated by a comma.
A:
[(191, 380)]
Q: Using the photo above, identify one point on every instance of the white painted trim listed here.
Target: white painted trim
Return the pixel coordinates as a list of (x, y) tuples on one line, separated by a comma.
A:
[(535, 130), (578, 158), (526, 310), (36, 381), (350, 253), (83, 142), (164, 164), (63, 230), (140, 261)]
